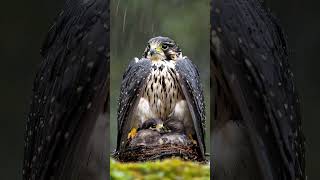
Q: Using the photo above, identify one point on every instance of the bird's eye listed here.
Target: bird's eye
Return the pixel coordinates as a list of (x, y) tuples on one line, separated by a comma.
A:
[(153, 126), (164, 47)]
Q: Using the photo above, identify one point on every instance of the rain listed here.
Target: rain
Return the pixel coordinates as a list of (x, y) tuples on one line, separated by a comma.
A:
[(133, 23)]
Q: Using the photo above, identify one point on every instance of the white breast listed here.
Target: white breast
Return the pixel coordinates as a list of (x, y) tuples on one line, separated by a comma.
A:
[(162, 89), (161, 93)]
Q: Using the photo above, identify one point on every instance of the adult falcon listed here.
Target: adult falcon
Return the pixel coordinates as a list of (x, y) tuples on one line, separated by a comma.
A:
[(162, 84)]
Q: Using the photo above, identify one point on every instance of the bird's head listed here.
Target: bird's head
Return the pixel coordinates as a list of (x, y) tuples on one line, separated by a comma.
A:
[(162, 48), (176, 126), (153, 124)]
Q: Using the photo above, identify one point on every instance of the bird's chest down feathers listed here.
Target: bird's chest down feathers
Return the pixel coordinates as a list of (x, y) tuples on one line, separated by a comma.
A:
[(162, 96)]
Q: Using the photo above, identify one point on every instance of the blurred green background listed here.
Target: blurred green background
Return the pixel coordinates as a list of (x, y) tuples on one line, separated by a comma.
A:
[(24, 24), (133, 23)]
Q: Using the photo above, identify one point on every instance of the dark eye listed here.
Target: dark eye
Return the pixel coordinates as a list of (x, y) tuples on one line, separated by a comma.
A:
[(164, 46), (154, 126)]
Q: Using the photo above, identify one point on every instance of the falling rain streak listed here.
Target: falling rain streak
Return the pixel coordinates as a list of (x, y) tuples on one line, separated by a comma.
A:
[(124, 19)]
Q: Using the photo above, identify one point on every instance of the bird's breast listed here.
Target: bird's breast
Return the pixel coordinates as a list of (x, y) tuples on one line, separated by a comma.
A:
[(162, 89)]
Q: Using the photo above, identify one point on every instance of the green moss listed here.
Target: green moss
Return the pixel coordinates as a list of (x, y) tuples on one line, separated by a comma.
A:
[(164, 170)]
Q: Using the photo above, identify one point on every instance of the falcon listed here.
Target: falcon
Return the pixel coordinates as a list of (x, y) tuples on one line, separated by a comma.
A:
[(164, 85), (153, 132)]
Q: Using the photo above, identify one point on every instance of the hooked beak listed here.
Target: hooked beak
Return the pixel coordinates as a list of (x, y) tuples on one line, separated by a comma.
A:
[(153, 52), (156, 54), (160, 128)]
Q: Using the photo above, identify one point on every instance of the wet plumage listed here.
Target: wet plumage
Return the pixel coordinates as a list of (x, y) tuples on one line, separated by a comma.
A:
[(66, 130), (162, 84), (257, 130), (162, 89)]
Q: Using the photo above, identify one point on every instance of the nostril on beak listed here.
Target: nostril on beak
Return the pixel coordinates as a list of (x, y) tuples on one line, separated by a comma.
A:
[(152, 52)]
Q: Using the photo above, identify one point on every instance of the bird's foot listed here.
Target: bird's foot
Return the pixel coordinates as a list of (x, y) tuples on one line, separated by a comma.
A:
[(132, 133), (192, 140)]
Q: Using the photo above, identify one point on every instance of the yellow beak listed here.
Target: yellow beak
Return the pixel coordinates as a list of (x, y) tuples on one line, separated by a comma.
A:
[(159, 127)]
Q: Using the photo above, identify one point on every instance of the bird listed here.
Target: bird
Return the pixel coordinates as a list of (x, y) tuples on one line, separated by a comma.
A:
[(162, 84), (158, 125), (257, 130), (172, 125), (175, 138), (145, 137), (153, 132), (66, 128), (148, 134), (174, 133), (153, 124)]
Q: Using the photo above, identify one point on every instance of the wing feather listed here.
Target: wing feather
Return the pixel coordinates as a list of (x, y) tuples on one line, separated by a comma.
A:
[(250, 50), (189, 80), (70, 90), (132, 83)]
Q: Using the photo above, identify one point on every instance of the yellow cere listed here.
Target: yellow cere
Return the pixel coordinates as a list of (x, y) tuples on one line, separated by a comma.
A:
[(159, 49)]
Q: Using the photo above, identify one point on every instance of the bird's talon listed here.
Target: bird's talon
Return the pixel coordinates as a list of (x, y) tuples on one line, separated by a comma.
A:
[(192, 140), (132, 133)]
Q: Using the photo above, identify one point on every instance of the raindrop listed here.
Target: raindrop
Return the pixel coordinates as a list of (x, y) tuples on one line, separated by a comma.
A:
[(79, 89), (271, 93), (279, 114), (66, 135), (34, 158), (89, 105), (39, 149), (248, 63), (117, 9), (124, 19), (90, 64)]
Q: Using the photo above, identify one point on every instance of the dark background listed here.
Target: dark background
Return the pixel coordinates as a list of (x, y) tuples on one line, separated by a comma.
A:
[(300, 20), (23, 25)]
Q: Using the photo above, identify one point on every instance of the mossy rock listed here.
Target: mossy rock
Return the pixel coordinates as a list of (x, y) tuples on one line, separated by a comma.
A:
[(163, 170)]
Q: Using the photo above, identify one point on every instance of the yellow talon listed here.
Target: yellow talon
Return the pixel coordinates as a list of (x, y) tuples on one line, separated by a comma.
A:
[(193, 141), (132, 133)]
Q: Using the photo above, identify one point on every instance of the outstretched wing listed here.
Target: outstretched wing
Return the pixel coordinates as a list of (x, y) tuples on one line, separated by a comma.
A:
[(70, 91), (250, 59), (189, 80), (132, 83)]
